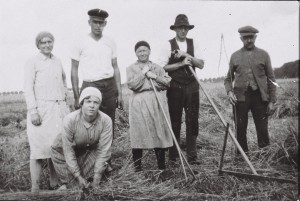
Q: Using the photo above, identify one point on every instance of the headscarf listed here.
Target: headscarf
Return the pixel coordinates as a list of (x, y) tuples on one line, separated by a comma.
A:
[(141, 43), (42, 35), (90, 91)]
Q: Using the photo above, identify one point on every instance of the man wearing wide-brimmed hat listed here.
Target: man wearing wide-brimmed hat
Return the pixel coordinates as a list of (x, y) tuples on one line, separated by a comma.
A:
[(176, 57), (95, 55), (251, 72)]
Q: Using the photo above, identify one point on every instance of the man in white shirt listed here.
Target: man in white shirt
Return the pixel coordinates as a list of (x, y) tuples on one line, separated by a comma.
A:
[(96, 56), (180, 53)]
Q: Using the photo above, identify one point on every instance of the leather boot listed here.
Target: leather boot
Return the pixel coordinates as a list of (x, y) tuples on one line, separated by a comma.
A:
[(160, 157), (137, 159)]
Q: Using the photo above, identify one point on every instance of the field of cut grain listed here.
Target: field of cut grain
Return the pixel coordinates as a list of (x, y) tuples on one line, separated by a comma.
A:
[(277, 160)]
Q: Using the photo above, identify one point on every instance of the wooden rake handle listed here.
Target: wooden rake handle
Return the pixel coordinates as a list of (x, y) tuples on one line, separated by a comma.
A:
[(224, 123)]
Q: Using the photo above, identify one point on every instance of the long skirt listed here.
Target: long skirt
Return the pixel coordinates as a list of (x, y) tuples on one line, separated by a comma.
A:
[(86, 162), (148, 126), (41, 137)]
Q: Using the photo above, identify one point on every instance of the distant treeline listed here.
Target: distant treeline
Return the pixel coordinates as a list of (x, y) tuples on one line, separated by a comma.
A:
[(11, 92), (214, 80), (287, 70)]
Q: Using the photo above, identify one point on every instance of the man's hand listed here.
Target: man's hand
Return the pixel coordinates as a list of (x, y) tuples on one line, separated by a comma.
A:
[(36, 119), (187, 61), (232, 98), (96, 180), (82, 182), (179, 53), (270, 109), (120, 102), (151, 75)]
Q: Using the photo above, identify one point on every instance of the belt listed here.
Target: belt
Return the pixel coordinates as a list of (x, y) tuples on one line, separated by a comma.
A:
[(55, 101), (109, 78), (192, 85)]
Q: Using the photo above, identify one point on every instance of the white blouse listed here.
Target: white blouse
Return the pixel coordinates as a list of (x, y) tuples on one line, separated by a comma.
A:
[(44, 80)]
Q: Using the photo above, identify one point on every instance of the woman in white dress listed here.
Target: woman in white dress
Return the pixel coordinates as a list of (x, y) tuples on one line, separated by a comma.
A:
[(45, 93)]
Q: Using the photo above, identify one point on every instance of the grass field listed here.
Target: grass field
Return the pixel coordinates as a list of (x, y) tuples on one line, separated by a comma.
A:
[(277, 160)]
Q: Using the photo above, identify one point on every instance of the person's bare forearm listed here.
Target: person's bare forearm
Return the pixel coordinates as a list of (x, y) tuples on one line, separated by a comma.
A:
[(75, 79), (117, 76), (172, 67), (118, 80), (199, 63)]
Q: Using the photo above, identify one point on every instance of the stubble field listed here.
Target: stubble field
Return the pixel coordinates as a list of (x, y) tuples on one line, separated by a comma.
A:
[(279, 160)]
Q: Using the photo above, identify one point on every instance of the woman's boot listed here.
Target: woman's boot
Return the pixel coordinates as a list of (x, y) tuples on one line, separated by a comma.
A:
[(137, 159), (160, 156)]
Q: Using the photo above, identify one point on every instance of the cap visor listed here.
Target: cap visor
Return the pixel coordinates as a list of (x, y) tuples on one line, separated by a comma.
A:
[(247, 34), (98, 19)]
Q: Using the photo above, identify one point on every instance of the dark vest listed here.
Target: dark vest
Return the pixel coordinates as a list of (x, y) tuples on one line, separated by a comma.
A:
[(182, 75)]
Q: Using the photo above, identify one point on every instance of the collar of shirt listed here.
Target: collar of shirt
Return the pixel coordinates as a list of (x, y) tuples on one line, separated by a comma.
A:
[(44, 57), (141, 65), (178, 41), (247, 50), (89, 124)]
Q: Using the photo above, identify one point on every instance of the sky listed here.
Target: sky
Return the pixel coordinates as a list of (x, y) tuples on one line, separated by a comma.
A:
[(133, 20)]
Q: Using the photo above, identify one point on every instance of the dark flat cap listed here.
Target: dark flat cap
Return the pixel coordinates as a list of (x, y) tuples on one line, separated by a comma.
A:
[(98, 13), (247, 31)]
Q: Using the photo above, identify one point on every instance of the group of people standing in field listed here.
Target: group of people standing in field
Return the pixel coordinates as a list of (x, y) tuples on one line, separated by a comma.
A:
[(77, 144)]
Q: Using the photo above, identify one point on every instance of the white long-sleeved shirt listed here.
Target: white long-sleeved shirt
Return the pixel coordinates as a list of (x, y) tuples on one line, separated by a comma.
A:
[(165, 52), (44, 79)]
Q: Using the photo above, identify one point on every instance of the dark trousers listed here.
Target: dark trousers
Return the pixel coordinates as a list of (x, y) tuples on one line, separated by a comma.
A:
[(137, 155), (258, 109), (109, 91), (184, 97)]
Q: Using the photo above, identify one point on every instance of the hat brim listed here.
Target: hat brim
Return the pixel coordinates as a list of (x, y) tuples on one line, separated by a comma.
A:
[(189, 26)]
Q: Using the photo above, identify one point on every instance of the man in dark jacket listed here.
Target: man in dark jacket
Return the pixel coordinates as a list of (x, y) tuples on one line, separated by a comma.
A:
[(250, 69), (177, 55)]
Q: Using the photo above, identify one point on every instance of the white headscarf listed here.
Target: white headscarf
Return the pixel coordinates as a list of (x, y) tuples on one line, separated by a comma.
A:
[(90, 91)]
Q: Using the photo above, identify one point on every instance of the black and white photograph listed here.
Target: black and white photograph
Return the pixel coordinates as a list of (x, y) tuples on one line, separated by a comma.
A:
[(149, 100)]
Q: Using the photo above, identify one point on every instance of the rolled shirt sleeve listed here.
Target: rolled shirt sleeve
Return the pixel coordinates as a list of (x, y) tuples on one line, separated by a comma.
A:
[(165, 54), (114, 49), (75, 51), (197, 51)]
